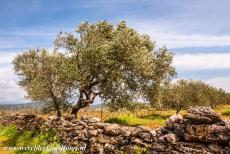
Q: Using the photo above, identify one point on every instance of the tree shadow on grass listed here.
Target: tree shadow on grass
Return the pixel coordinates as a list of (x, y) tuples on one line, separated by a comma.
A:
[(11, 141), (154, 116), (120, 121)]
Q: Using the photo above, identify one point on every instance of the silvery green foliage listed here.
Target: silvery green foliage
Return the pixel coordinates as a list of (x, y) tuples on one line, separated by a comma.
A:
[(44, 76), (187, 93), (117, 60), (100, 59)]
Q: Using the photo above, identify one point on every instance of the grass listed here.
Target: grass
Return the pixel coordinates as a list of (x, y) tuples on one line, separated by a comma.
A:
[(10, 137), (150, 118), (128, 119), (2, 140), (224, 111)]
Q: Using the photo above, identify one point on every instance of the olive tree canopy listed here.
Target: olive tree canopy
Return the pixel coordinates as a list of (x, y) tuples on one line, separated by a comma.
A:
[(45, 77), (113, 62)]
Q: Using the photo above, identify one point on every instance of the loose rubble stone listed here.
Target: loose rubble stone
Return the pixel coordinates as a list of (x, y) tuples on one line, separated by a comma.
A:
[(201, 131)]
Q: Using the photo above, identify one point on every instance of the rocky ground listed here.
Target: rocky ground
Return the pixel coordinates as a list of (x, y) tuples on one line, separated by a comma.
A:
[(200, 131)]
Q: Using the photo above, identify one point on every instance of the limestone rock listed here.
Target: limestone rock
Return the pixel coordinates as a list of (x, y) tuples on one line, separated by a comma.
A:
[(207, 133), (90, 119), (215, 147), (202, 115), (22, 121), (190, 148), (145, 136), (52, 117), (93, 132), (112, 129), (170, 138), (109, 148), (96, 148), (172, 120)]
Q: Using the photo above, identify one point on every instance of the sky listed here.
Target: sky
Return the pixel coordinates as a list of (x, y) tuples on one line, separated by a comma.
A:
[(196, 31)]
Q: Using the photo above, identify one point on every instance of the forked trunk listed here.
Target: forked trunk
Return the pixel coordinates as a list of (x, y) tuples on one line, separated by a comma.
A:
[(81, 103)]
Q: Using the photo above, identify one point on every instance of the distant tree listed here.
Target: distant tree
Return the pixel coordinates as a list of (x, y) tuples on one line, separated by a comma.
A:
[(114, 62), (163, 72), (185, 93), (45, 78)]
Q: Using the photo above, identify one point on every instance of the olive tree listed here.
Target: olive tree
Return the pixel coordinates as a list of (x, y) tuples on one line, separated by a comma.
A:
[(185, 93), (113, 62), (45, 77), (163, 72)]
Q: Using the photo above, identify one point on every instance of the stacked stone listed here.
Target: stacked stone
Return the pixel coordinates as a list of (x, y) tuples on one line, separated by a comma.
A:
[(101, 137), (22, 121), (200, 131)]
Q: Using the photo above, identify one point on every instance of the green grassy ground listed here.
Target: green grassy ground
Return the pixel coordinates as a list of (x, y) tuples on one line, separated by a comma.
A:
[(10, 137), (154, 118), (224, 111)]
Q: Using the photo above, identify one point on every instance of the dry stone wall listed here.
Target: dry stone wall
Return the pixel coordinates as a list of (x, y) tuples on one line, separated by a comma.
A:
[(200, 131), (22, 121)]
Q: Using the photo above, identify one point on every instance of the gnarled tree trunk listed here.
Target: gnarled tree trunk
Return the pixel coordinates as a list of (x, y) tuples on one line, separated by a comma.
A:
[(83, 102), (56, 104)]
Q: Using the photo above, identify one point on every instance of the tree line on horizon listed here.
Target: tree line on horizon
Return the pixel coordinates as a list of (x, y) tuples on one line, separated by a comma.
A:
[(113, 62)]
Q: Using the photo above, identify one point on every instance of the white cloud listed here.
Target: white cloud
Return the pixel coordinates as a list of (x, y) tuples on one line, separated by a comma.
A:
[(9, 90), (173, 35), (221, 82), (202, 61), (211, 61), (6, 58), (198, 40)]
